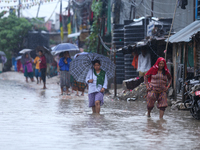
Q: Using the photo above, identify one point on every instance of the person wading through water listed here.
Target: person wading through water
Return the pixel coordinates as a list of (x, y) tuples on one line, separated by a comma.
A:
[(37, 68), (97, 82), (43, 67), (28, 70), (156, 83), (64, 65)]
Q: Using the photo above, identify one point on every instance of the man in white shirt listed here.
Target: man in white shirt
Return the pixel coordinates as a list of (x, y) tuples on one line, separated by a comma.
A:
[(144, 62)]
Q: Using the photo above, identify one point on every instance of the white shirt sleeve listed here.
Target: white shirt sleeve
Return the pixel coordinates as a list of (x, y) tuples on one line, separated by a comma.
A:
[(139, 63), (105, 82), (149, 60), (88, 77)]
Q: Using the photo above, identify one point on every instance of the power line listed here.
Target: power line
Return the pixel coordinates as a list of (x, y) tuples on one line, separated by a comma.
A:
[(152, 50), (135, 4), (104, 45), (163, 3), (53, 11), (170, 29), (154, 11)]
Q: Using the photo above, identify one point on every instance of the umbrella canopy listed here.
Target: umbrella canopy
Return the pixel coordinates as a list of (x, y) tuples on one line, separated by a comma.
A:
[(80, 66), (83, 53), (3, 59), (25, 51), (18, 57), (47, 51), (2, 53), (63, 47)]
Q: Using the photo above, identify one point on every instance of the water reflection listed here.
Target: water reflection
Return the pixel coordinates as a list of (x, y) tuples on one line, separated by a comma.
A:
[(39, 119), (156, 127)]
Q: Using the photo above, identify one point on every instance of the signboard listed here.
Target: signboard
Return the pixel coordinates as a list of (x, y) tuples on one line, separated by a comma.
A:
[(150, 28)]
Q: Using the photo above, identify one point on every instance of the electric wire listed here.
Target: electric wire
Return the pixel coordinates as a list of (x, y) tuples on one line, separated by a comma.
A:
[(162, 3), (53, 12), (137, 5)]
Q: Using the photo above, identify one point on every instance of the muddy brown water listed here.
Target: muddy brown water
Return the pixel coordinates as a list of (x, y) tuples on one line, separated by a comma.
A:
[(39, 120)]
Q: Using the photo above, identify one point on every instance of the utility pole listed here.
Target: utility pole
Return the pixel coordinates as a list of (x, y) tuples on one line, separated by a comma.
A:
[(115, 78), (61, 22), (145, 23), (194, 11), (19, 9), (38, 10), (152, 4), (134, 11)]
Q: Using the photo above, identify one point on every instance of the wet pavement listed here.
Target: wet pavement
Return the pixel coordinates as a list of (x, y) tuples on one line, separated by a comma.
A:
[(35, 119)]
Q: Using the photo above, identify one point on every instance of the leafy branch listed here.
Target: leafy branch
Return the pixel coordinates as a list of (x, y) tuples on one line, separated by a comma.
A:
[(92, 39)]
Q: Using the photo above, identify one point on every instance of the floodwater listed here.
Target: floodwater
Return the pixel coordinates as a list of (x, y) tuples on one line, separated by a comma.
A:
[(38, 120)]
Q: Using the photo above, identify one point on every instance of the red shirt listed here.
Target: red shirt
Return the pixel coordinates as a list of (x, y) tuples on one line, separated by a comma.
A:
[(43, 63)]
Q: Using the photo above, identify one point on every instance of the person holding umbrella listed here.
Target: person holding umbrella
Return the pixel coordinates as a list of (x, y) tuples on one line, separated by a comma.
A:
[(28, 70), (96, 70), (43, 67), (64, 64), (97, 82)]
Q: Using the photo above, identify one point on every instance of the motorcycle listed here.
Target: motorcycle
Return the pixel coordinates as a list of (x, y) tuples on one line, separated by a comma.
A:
[(192, 93)]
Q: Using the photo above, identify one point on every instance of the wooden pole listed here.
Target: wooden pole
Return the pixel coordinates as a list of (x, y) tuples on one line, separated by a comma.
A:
[(186, 59), (184, 70), (195, 57), (170, 30), (175, 70)]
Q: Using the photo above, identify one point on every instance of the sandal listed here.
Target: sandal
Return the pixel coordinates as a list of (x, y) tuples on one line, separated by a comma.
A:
[(76, 95)]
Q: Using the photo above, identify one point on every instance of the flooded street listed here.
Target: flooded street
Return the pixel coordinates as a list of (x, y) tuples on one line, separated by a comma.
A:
[(39, 120)]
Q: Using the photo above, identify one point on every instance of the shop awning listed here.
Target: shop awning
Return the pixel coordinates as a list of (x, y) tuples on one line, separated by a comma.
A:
[(185, 34), (74, 35)]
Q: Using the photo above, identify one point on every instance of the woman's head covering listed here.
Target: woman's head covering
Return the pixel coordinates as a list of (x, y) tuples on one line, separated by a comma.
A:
[(154, 70), (24, 59)]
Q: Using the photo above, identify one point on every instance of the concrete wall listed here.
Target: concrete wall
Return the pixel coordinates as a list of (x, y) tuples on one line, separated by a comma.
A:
[(162, 9)]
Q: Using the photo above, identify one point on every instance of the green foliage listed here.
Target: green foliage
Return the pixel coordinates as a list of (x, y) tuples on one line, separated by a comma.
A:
[(52, 42), (13, 30), (38, 23), (92, 39)]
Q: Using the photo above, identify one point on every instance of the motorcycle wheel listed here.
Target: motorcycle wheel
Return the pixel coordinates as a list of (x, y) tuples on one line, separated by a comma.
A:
[(196, 115)]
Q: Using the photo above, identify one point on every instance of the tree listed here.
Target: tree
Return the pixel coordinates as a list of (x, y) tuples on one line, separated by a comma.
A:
[(92, 39), (38, 24), (13, 31)]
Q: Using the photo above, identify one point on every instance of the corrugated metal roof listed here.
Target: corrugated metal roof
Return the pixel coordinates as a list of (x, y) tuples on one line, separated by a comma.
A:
[(185, 34)]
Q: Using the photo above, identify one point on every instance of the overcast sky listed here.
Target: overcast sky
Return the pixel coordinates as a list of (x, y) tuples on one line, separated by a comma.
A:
[(46, 9)]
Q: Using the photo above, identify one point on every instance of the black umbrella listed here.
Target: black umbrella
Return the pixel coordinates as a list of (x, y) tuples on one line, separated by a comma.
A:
[(80, 66)]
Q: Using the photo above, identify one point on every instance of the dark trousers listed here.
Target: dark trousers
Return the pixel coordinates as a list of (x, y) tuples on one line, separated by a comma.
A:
[(43, 74)]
